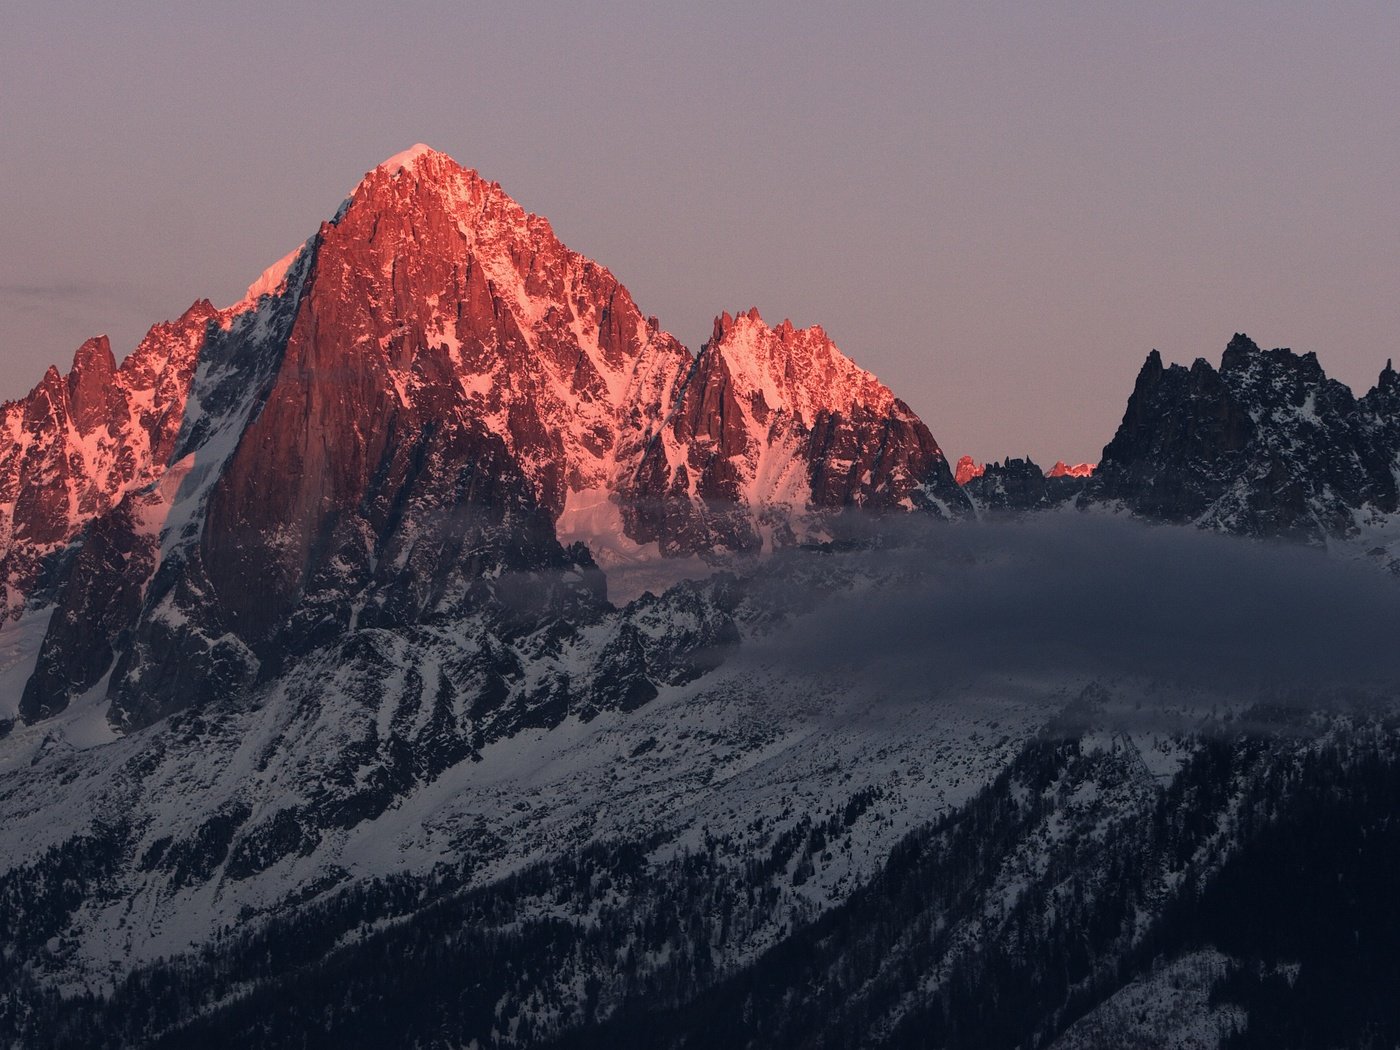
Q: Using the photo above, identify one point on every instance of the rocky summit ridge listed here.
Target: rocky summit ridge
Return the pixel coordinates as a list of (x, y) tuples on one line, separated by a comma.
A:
[(1264, 445)]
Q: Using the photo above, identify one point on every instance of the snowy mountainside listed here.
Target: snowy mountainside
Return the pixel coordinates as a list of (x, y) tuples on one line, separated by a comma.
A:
[(1170, 1007), (674, 845), (130, 578), (355, 766), (1072, 884)]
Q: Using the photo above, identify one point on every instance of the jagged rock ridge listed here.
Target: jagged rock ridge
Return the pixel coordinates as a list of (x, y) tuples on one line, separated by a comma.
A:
[(1265, 445), (1018, 485), (773, 423), (78, 443), (968, 468)]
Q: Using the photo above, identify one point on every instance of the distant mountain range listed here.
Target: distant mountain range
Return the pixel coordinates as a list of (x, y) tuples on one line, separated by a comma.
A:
[(321, 675)]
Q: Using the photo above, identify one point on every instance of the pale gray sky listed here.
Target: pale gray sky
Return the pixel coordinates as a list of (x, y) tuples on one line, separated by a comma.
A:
[(998, 208)]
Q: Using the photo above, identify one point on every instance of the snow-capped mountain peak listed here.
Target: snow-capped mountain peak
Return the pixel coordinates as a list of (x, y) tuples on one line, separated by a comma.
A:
[(408, 158), (432, 368), (774, 429)]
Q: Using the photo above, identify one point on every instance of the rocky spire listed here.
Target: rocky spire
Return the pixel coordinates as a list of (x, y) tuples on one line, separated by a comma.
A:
[(774, 423)]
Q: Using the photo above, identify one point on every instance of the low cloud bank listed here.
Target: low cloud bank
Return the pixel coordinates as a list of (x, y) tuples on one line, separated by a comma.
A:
[(1078, 597)]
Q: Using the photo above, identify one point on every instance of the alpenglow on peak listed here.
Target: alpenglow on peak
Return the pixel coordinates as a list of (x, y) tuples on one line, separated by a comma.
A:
[(407, 158)]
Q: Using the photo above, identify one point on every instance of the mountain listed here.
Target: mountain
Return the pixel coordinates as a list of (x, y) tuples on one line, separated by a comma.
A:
[(420, 399), (1265, 445), (304, 568), (1086, 885), (772, 422), (429, 650), (79, 443)]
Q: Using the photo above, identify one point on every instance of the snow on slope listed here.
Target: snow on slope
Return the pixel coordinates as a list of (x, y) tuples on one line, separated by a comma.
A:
[(1168, 1009), (19, 651), (739, 752)]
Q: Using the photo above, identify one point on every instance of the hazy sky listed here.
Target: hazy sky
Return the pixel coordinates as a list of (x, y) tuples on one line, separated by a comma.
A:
[(998, 208)]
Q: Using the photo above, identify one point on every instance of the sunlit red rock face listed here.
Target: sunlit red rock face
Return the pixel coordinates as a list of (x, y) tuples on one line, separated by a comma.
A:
[(78, 443), (443, 326), (437, 304), (773, 427), (967, 469)]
